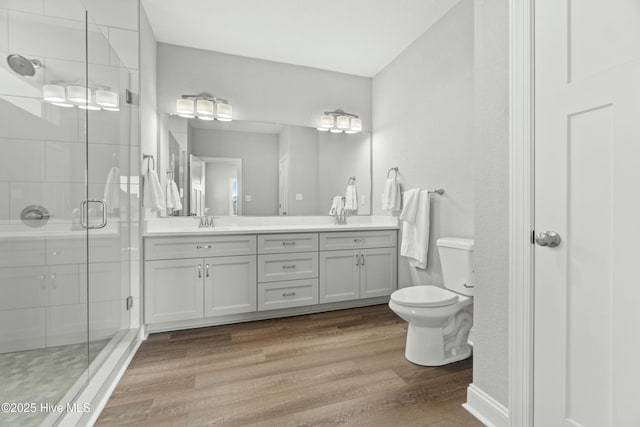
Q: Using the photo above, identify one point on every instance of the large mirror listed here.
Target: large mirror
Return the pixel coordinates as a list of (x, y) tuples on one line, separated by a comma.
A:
[(262, 169)]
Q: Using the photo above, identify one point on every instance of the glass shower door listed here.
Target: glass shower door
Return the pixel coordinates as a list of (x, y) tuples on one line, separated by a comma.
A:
[(44, 250)]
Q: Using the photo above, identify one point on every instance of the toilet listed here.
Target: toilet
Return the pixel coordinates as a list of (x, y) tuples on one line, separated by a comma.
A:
[(440, 318)]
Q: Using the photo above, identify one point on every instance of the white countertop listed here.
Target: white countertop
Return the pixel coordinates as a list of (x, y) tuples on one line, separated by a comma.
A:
[(188, 226)]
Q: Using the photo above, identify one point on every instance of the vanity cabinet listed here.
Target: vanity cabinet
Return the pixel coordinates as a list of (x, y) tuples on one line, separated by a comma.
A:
[(193, 288), (367, 268), (213, 279)]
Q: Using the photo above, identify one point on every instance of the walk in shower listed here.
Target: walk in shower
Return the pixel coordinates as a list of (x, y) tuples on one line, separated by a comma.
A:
[(68, 201)]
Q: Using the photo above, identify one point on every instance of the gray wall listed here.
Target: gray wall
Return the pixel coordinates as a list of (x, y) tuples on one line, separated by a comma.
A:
[(491, 177), (341, 156), (301, 145), (260, 90), (259, 154), (423, 123)]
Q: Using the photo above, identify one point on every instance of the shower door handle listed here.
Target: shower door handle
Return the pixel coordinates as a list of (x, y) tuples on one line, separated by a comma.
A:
[(84, 211)]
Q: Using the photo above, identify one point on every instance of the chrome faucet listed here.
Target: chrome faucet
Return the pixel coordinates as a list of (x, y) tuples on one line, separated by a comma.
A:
[(341, 216), (206, 222)]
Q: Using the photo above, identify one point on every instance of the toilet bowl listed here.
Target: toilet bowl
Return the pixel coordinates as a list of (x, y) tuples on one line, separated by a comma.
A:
[(440, 318)]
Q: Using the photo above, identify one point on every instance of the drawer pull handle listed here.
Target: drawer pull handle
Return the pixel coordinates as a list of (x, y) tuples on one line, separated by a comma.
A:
[(288, 243), (288, 267), (54, 283), (361, 259), (206, 267), (203, 247), (357, 260), (358, 240), (43, 284), (54, 253), (199, 270), (288, 294)]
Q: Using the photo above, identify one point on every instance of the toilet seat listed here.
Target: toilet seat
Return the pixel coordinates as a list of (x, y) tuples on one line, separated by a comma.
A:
[(424, 296)]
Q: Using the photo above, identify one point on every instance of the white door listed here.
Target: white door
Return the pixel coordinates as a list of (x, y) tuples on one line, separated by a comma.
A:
[(587, 189)]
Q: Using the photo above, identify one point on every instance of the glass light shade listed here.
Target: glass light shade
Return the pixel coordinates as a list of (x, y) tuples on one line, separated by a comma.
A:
[(207, 118), (350, 131), (53, 93), (78, 94), (335, 130), (224, 112), (204, 107), (106, 98), (111, 108), (356, 125), (90, 107), (184, 107), (322, 129), (62, 104), (342, 122), (326, 121)]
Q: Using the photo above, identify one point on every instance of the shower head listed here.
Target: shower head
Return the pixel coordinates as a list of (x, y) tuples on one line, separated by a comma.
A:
[(23, 66)]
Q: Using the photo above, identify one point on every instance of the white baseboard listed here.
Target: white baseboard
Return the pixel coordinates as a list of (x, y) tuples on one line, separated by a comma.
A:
[(485, 408)]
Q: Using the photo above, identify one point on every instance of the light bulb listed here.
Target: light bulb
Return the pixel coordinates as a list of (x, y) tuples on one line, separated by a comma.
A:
[(106, 98), (342, 122)]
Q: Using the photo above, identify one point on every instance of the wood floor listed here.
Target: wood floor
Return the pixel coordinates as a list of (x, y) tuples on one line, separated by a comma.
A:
[(341, 368)]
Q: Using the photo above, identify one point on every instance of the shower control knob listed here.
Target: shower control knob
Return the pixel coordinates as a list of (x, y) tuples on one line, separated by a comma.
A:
[(548, 238)]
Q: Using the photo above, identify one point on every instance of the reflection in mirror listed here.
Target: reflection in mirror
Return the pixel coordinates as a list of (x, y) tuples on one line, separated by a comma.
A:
[(268, 169)]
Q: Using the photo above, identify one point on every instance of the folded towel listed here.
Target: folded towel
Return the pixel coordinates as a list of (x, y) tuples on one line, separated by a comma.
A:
[(351, 198), (111, 194), (173, 196), (336, 206), (391, 195), (415, 227), (152, 197)]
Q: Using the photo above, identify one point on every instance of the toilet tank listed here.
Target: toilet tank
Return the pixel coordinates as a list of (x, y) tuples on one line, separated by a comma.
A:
[(456, 256)]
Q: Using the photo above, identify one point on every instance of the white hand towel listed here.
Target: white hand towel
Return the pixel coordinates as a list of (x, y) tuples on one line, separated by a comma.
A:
[(391, 195), (351, 198), (111, 194), (173, 196), (336, 206), (415, 227), (153, 198)]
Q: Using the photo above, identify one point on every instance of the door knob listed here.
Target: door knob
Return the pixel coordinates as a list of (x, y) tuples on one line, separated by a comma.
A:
[(548, 238)]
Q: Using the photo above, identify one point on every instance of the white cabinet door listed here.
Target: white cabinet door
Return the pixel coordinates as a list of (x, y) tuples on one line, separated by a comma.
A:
[(378, 272), (230, 285), (339, 275), (174, 290)]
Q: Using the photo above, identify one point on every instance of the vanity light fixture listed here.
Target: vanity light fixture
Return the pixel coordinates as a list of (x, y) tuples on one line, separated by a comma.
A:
[(78, 95), (339, 121), (207, 107)]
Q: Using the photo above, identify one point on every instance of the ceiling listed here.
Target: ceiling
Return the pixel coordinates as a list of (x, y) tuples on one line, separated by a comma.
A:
[(350, 36)]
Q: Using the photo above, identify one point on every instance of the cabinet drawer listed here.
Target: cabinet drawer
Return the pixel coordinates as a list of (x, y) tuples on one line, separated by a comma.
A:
[(292, 242), (275, 267), (358, 240), (293, 293), (195, 247)]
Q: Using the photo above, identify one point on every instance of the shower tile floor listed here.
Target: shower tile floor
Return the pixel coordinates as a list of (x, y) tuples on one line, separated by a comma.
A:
[(41, 376)]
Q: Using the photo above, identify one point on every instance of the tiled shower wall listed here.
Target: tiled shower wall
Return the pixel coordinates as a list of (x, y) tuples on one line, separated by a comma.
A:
[(40, 161)]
